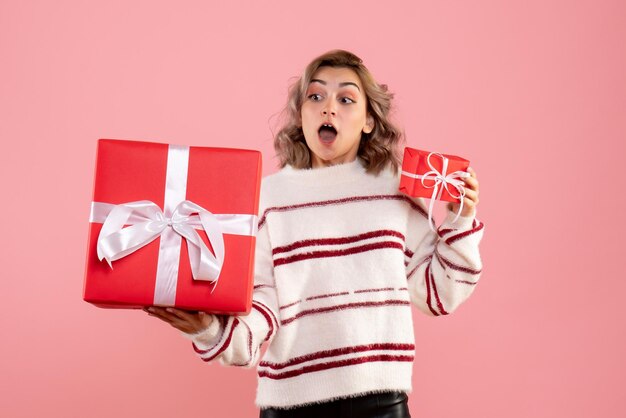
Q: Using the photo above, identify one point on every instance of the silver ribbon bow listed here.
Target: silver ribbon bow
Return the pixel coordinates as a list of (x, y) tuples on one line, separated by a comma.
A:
[(147, 221), (441, 181)]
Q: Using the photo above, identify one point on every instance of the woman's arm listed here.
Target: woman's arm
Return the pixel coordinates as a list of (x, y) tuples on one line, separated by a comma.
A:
[(444, 267), (234, 340)]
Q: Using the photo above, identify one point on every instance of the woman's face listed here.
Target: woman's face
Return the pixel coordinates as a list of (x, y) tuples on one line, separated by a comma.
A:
[(334, 97)]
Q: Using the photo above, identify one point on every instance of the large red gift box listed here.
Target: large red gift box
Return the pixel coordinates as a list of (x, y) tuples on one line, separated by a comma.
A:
[(432, 168), (220, 185)]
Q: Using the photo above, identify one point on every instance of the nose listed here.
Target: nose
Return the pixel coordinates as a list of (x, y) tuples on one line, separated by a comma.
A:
[(329, 107)]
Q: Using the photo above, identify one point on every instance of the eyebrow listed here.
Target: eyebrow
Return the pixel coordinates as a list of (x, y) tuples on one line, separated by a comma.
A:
[(345, 83)]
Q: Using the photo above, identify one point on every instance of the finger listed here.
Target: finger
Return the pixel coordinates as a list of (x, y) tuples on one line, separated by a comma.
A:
[(185, 315), (158, 312), (163, 314), (158, 316), (177, 323), (473, 192), (468, 203), (471, 171), (197, 320), (471, 195), (471, 183)]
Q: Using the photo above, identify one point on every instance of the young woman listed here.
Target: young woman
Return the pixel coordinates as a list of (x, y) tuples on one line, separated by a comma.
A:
[(341, 256)]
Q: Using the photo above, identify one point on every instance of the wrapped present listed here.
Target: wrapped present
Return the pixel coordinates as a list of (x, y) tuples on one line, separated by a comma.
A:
[(434, 176), (173, 225)]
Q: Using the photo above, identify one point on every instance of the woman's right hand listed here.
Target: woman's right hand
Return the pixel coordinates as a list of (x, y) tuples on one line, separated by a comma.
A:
[(189, 322)]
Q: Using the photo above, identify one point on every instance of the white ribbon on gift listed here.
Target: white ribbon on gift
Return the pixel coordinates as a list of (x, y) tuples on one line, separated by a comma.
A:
[(181, 218), (441, 181)]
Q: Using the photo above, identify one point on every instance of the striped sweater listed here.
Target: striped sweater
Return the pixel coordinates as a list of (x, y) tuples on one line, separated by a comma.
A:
[(341, 256)]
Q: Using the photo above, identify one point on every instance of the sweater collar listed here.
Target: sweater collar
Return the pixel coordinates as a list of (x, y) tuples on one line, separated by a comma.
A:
[(325, 176)]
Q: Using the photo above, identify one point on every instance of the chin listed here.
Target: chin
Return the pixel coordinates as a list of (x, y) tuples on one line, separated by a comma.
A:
[(326, 156)]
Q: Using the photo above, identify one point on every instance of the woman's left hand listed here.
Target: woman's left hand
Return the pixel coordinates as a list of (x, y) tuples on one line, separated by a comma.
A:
[(471, 195)]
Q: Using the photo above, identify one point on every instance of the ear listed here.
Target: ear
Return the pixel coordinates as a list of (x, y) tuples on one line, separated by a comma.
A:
[(369, 124)]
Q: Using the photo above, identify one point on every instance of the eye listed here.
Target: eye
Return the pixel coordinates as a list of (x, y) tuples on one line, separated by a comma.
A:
[(313, 97), (347, 98)]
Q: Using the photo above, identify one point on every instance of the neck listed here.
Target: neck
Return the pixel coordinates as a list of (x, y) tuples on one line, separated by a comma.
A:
[(317, 162), (328, 174)]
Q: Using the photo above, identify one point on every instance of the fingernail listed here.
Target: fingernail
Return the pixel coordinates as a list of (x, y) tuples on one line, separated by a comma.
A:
[(168, 309)]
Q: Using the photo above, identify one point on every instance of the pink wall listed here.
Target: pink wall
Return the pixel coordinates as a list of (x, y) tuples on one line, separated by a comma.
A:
[(533, 93)]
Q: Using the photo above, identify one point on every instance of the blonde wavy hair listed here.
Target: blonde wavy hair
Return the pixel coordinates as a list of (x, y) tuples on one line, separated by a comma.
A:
[(379, 149)]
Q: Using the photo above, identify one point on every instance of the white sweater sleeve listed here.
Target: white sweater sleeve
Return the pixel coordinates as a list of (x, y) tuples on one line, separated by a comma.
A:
[(444, 267), (235, 340)]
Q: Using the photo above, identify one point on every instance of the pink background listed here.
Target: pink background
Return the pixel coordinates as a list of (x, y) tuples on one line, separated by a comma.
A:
[(532, 92)]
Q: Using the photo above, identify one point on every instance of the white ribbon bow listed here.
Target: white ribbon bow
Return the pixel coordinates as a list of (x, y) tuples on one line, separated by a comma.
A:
[(147, 222), (441, 181)]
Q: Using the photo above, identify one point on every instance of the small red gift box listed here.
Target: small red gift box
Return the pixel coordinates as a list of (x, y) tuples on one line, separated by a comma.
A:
[(425, 174), (173, 225)]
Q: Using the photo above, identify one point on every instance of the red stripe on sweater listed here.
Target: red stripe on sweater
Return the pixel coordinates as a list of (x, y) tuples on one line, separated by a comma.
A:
[(337, 253), (427, 278), (374, 290), (353, 305), (466, 282), (408, 276), (337, 240), (260, 286), (269, 311), (444, 261), (274, 319), (443, 232), (439, 304), (337, 352), (249, 343), (334, 364), (220, 318), (353, 199), (460, 235), (202, 351), (223, 347), (290, 304), (268, 319), (328, 295), (250, 356)]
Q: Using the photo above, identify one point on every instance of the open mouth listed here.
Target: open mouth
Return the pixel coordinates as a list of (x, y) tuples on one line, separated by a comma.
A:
[(327, 132)]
